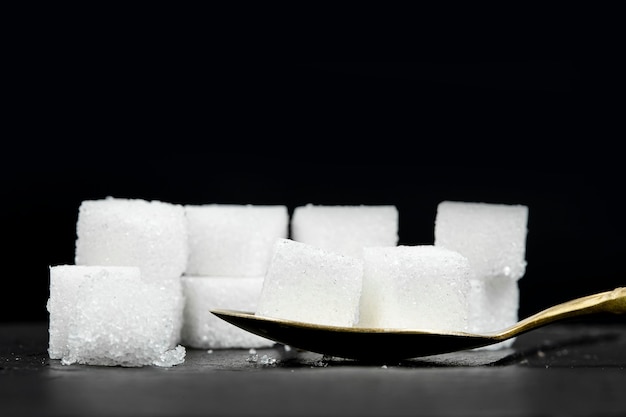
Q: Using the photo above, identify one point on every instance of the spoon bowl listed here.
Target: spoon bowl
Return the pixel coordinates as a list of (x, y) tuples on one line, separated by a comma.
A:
[(375, 344)]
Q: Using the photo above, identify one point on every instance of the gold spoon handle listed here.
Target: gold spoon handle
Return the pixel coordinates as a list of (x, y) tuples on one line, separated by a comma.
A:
[(604, 302)]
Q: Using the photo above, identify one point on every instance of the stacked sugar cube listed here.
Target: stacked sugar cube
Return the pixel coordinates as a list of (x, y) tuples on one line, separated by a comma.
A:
[(493, 238), (122, 303), (230, 249), (132, 232), (345, 229), (233, 240), (202, 294), (147, 274)]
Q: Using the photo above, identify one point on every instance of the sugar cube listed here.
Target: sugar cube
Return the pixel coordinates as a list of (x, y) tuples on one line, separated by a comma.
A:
[(65, 283), (132, 232), (233, 240), (345, 229), (203, 330), (419, 287), (493, 304), (309, 284), (121, 320), (493, 238)]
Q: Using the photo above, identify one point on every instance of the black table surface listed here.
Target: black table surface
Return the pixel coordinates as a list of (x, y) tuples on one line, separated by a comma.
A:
[(571, 369)]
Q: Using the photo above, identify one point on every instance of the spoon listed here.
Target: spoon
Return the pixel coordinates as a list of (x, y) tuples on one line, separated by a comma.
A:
[(394, 344)]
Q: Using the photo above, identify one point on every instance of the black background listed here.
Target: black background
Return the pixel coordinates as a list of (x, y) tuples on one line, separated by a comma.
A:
[(89, 119)]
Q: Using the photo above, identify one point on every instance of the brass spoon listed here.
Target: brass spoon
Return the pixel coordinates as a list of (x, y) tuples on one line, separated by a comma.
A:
[(385, 344)]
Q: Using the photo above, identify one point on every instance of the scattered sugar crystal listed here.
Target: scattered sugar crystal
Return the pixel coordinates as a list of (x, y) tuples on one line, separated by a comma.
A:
[(201, 329), (264, 360), (309, 284), (122, 320), (267, 360), (323, 361), (233, 240), (345, 229), (65, 282), (132, 232), (171, 357), (419, 287), (493, 238)]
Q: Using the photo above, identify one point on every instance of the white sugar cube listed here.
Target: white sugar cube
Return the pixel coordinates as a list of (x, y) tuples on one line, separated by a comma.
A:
[(345, 229), (65, 283), (203, 330), (493, 238), (120, 320), (123, 232), (233, 240), (419, 287), (309, 284), (493, 305)]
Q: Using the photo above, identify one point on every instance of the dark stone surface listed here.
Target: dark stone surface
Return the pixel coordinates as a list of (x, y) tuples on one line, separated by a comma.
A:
[(570, 369)]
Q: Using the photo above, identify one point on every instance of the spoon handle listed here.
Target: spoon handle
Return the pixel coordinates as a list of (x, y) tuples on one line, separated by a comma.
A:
[(605, 302)]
